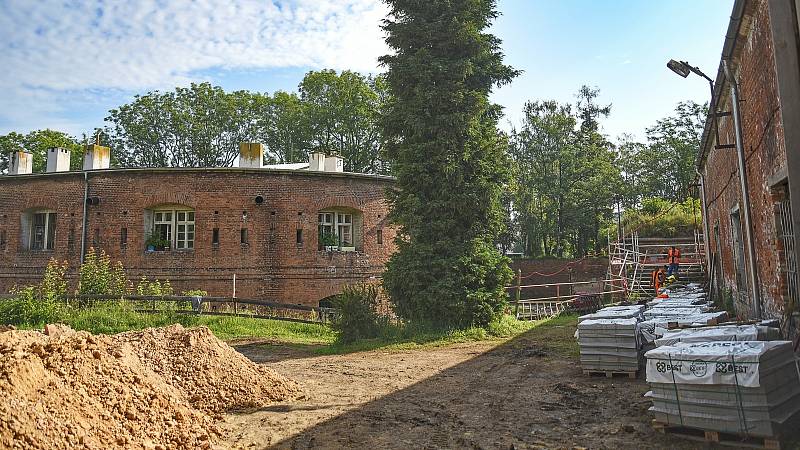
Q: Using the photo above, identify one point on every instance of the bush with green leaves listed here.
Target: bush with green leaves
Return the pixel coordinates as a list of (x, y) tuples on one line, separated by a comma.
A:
[(357, 313), (155, 288), (99, 276), (195, 293), (54, 284), (27, 307), (658, 217)]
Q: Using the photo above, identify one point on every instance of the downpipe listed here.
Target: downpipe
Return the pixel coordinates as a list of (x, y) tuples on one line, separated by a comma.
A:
[(85, 213), (748, 223), (704, 212)]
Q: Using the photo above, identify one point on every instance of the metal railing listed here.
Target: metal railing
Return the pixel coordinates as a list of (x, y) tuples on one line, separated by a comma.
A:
[(207, 305)]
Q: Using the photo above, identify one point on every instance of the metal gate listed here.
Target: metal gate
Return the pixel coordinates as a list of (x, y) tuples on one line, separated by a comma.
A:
[(786, 234)]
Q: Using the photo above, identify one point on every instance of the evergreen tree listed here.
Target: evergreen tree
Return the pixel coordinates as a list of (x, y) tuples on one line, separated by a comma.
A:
[(450, 161)]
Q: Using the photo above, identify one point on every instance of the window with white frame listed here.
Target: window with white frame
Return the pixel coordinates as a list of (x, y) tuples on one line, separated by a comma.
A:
[(175, 228), (184, 221), (42, 230), (337, 228)]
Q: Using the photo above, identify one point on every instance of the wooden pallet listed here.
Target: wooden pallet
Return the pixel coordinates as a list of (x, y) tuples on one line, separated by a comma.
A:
[(717, 437), (611, 373)]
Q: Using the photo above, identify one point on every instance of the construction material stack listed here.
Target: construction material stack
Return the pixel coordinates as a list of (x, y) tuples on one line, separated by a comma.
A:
[(609, 341), (742, 388)]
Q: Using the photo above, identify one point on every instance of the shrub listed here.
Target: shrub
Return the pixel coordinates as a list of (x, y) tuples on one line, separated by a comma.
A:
[(357, 317), (54, 283), (195, 293), (154, 288), (28, 308), (98, 276)]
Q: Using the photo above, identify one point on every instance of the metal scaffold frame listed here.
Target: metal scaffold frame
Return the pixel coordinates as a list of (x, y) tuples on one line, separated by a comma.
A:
[(631, 260)]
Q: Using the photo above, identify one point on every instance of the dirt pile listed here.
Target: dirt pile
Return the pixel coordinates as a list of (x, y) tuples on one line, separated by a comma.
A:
[(152, 389)]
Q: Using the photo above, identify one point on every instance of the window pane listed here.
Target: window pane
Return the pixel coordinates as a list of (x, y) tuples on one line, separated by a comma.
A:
[(168, 216), (51, 231), (190, 216), (158, 217), (181, 216)]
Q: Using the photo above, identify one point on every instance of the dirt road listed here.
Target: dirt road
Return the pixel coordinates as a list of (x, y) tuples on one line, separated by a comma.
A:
[(525, 393)]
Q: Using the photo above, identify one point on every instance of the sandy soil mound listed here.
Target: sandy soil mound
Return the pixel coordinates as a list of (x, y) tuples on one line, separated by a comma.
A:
[(152, 389)]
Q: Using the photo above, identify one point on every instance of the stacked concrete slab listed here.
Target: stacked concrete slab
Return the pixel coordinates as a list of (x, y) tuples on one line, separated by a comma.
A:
[(719, 333), (609, 340), (743, 387)]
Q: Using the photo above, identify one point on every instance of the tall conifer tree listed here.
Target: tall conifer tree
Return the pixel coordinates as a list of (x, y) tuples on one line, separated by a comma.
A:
[(450, 161)]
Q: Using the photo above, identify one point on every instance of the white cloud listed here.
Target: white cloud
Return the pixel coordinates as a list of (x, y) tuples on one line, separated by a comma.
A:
[(49, 48)]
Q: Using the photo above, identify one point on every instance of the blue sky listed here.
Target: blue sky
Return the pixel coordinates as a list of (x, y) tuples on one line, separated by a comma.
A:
[(65, 64)]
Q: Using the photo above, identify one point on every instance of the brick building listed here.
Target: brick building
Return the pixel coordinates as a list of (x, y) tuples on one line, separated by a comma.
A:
[(197, 227), (757, 128)]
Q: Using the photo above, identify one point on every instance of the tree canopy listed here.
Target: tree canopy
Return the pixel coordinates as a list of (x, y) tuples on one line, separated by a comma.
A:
[(37, 142), (450, 161)]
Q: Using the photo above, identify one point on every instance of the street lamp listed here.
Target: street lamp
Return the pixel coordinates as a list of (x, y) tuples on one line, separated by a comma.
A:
[(683, 69)]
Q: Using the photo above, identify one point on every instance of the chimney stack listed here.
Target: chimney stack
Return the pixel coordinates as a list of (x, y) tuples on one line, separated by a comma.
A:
[(96, 157), (334, 163), (316, 162), (251, 155), (21, 163), (58, 159)]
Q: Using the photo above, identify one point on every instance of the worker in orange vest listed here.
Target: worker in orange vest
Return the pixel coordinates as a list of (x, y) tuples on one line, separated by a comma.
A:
[(674, 260), (657, 278)]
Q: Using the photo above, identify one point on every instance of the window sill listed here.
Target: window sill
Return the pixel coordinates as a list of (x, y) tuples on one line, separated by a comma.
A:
[(340, 250), (166, 252)]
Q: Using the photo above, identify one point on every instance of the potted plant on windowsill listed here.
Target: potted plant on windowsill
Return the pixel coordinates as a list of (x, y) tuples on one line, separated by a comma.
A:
[(155, 243), (329, 242)]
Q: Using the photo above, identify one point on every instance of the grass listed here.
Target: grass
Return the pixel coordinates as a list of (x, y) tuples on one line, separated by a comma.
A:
[(409, 337), (113, 318), (553, 334)]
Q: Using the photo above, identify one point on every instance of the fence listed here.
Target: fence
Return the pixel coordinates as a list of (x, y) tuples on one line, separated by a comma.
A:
[(219, 306), (541, 307)]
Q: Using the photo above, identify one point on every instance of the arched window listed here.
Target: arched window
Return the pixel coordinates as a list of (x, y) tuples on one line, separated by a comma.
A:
[(39, 229), (339, 228), (169, 227)]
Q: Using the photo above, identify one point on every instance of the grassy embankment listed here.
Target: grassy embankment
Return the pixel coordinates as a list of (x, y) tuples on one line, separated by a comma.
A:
[(115, 318)]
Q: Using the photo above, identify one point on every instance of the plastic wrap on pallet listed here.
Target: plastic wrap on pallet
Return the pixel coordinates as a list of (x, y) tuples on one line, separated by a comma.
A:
[(728, 363), (719, 333), (615, 312)]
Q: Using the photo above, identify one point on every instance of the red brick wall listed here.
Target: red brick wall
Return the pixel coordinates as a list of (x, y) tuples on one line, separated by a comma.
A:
[(271, 266), (754, 67), (587, 269)]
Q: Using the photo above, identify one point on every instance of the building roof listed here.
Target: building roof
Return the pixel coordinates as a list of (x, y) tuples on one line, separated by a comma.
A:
[(737, 26), (175, 170)]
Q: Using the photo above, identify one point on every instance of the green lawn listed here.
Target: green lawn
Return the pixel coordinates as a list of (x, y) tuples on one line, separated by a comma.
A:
[(115, 318), (110, 319)]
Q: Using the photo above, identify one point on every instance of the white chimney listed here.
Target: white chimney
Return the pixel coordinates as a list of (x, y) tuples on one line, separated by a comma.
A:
[(316, 161), (334, 163), (58, 159), (21, 163), (251, 155), (96, 157)]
